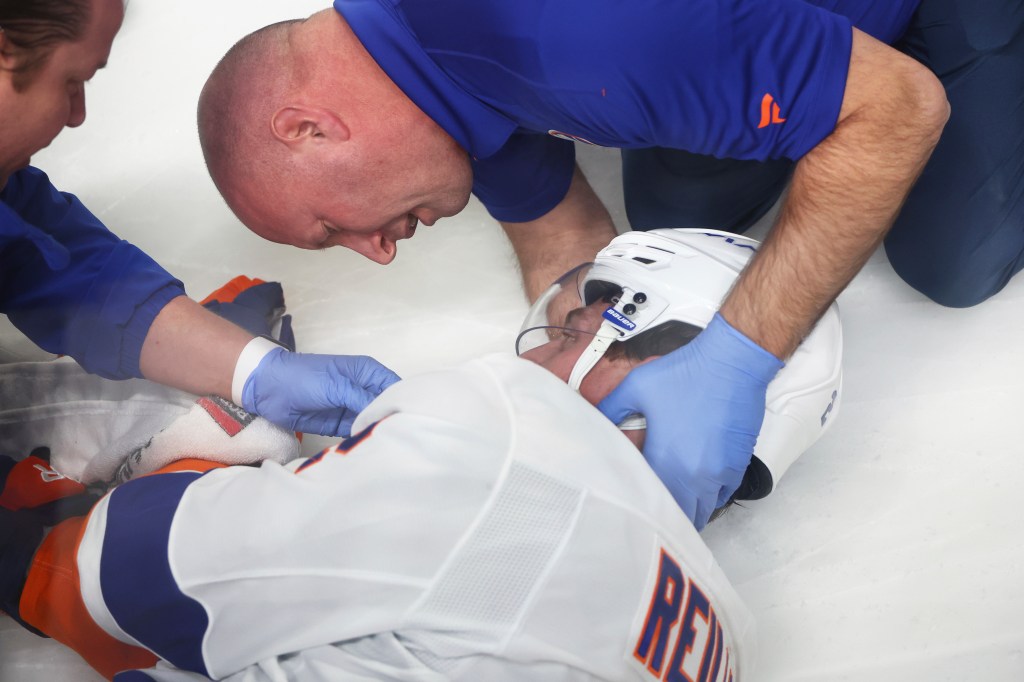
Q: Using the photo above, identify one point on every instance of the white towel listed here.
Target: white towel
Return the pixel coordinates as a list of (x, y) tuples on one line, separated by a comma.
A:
[(214, 429), (103, 432)]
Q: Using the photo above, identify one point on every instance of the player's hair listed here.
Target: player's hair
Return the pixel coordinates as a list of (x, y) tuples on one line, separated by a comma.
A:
[(35, 27), (660, 340)]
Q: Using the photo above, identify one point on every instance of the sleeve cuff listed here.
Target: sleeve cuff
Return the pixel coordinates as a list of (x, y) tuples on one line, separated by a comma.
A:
[(248, 361), (137, 328)]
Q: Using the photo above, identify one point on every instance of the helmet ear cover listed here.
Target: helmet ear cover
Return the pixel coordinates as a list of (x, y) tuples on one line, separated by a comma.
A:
[(595, 289)]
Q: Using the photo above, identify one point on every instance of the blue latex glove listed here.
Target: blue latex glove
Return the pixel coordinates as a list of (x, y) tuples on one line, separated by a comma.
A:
[(314, 393), (704, 405)]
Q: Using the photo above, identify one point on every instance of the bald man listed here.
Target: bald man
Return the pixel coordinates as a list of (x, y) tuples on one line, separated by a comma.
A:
[(356, 125), (277, 161)]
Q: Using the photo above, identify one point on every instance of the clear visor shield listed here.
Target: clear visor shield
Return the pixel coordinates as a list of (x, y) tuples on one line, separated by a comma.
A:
[(547, 317)]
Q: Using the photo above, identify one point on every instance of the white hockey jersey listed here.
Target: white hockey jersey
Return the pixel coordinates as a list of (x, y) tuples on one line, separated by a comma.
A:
[(485, 523)]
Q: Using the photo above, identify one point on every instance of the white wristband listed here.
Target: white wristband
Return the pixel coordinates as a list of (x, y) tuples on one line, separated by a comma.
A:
[(634, 422), (249, 359)]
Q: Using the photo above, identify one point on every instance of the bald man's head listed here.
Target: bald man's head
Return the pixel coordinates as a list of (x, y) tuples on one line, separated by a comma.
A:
[(237, 103), (312, 144)]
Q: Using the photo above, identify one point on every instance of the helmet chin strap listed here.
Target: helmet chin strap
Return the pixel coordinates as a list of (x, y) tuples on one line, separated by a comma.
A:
[(607, 334)]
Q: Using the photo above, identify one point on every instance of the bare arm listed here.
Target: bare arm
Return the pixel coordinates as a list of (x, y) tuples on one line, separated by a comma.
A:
[(844, 197), (190, 348), (569, 234)]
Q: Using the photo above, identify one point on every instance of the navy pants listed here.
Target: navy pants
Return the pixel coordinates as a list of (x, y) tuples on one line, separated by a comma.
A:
[(960, 236)]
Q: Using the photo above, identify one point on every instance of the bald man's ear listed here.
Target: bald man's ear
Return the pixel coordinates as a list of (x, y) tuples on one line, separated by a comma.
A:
[(301, 124)]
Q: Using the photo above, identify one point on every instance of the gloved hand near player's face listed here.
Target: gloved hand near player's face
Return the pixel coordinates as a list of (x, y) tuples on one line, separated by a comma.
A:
[(314, 393), (704, 405)]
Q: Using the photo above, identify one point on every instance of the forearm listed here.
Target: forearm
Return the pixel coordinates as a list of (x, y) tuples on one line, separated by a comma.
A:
[(570, 234), (844, 197), (190, 348)]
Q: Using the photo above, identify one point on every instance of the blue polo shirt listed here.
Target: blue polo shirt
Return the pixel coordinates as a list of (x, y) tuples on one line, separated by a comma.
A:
[(71, 285), (515, 82)]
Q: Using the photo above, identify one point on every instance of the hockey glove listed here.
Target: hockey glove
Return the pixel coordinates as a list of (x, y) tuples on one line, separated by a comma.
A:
[(704, 405), (254, 305), (33, 485)]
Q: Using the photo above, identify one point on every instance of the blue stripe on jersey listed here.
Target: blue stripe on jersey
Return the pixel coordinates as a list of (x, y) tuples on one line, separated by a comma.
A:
[(135, 574)]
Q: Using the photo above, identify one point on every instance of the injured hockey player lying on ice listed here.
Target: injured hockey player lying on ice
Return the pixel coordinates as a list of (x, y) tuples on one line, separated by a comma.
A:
[(484, 522)]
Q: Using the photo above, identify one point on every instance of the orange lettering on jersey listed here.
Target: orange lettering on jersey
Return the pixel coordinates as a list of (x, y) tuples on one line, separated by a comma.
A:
[(341, 448), (661, 615), (770, 111), (695, 634), (712, 660), (680, 611)]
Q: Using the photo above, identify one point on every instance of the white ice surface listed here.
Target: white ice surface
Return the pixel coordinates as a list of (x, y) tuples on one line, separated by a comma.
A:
[(891, 551)]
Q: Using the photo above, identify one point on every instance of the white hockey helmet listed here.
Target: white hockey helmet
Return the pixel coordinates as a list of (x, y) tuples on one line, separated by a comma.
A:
[(684, 275)]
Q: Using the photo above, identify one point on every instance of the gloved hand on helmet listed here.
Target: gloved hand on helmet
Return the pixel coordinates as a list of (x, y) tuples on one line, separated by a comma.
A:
[(704, 405)]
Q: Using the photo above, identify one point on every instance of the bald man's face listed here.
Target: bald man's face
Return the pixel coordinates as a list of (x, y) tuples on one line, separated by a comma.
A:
[(365, 207), (313, 145)]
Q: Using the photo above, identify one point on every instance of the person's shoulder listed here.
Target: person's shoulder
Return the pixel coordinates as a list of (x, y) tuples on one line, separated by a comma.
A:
[(25, 182), (27, 195), (515, 373), (497, 393), (465, 395)]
